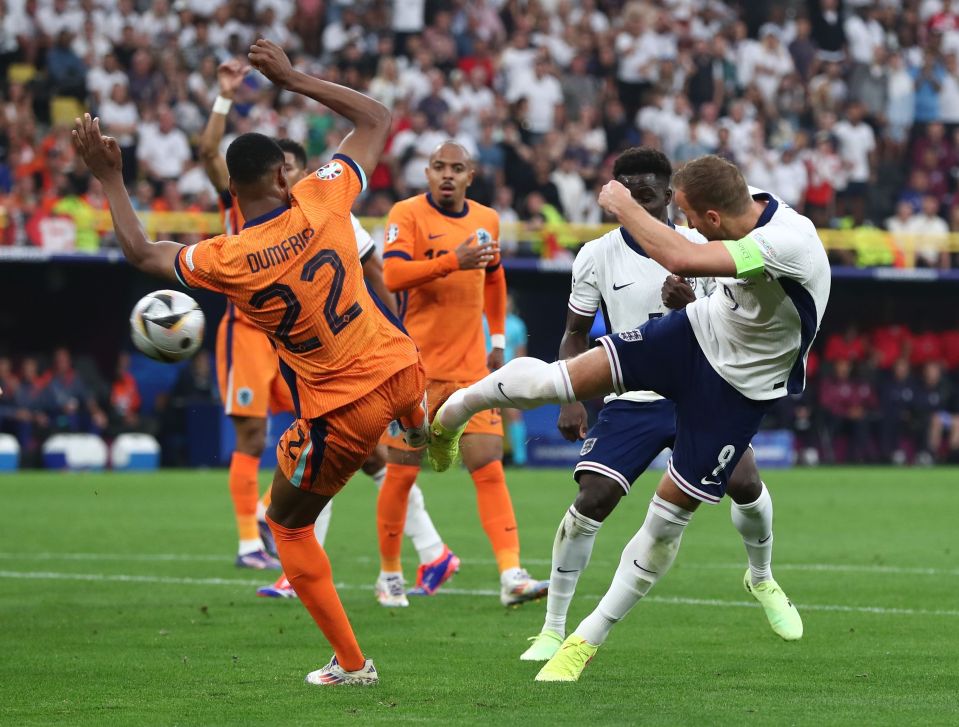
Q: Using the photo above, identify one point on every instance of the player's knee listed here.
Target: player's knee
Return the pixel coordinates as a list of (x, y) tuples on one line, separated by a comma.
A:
[(250, 435), (598, 496), (745, 485)]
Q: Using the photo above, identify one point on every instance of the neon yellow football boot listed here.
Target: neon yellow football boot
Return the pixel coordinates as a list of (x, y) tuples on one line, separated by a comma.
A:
[(444, 447), (782, 615), (568, 663), (545, 645)]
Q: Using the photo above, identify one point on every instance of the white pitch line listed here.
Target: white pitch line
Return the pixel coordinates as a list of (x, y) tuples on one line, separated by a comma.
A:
[(672, 600), (210, 558)]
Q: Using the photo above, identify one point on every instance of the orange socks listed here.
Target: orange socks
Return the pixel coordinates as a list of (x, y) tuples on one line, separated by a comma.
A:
[(496, 514), (245, 491), (308, 570), (391, 513)]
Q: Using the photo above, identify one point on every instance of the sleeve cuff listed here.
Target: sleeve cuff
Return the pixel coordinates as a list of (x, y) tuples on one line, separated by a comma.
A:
[(178, 270), (355, 167), (581, 310), (498, 340)]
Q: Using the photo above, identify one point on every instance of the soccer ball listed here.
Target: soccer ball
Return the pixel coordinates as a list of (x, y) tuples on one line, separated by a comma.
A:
[(167, 325)]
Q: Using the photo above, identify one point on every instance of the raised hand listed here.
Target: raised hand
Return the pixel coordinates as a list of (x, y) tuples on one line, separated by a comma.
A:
[(271, 60), (615, 198), (100, 153), (472, 256), (230, 75)]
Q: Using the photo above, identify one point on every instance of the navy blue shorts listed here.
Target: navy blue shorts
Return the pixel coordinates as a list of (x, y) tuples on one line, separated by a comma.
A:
[(626, 438), (714, 422)]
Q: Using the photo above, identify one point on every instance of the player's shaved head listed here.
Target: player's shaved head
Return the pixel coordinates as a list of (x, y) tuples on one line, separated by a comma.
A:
[(252, 157), (452, 149), (449, 173), (646, 173)]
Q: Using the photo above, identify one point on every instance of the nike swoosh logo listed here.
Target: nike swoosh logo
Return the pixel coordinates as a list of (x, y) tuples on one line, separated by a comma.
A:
[(644, 570), (509, 530), (706, 481), (560, 570), (500, 387), (433, 237), (392, 535), (763, 540), (620, 287)]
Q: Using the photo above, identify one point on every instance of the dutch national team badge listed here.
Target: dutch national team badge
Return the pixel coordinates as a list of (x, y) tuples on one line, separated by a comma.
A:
[(392, 233), (329, 172), (244, 396), (587, 446), (483, 236), (631, 336)]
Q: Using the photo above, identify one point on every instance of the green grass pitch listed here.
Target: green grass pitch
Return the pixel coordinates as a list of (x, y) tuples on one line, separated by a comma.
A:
[(120, 605)]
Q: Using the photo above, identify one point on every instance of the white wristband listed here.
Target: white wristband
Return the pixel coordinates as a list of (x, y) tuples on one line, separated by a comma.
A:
[(222, 105), (498, 340)]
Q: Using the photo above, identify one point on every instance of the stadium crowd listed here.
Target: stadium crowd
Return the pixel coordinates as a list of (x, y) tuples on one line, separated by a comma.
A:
[(848, 109)]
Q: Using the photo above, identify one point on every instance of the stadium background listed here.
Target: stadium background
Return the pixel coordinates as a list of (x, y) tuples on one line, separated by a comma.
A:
[(848, 110)]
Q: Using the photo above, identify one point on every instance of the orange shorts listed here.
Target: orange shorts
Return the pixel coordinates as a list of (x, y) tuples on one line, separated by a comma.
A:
[(437, 392), (320, 455), (248, 369)]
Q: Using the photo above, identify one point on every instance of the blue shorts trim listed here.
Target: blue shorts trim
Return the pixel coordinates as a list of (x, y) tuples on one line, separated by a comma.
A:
[(714, 422), (626, 438)]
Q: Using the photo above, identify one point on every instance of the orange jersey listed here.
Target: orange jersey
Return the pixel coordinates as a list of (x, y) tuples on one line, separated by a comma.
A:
[(296, 274), (440, 305)]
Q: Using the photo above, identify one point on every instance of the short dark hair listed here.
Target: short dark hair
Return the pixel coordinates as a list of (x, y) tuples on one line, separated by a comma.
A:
[(643, 160), (288, 146), (712, 183), (250, 157)]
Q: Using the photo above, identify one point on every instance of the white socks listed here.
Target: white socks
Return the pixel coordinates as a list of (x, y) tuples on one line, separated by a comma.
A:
[(645, 560), (571, 550), (755, 523), (523, 383), (419, 526)]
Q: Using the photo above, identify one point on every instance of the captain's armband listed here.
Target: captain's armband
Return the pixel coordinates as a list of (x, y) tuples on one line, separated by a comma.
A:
[(746, 255)]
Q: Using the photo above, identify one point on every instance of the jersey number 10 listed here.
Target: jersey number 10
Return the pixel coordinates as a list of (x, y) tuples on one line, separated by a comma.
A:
[(336, 321)]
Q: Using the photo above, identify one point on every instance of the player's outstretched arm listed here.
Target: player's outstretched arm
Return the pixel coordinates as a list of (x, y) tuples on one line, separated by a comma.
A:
[(102, 156), (370, 118), (229, 75), (664, 245)]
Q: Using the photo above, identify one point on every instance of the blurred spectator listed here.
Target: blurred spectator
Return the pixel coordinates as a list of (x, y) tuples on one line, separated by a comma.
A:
[(163, 149), (68, 400), (930, 235), (900, 425), (857, 146), (937, 409), (848, 404), (124, 398)]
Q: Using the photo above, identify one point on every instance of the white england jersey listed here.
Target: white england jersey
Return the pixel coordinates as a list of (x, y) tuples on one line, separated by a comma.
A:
[(364, 243), (614, 273), (756, 332)]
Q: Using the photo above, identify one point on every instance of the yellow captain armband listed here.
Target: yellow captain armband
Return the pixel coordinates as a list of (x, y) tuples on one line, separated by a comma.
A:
[(746, 255)]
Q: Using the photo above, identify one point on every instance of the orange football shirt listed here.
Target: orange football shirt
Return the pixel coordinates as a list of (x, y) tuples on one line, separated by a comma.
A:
[(295, 272), (444, 315)]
